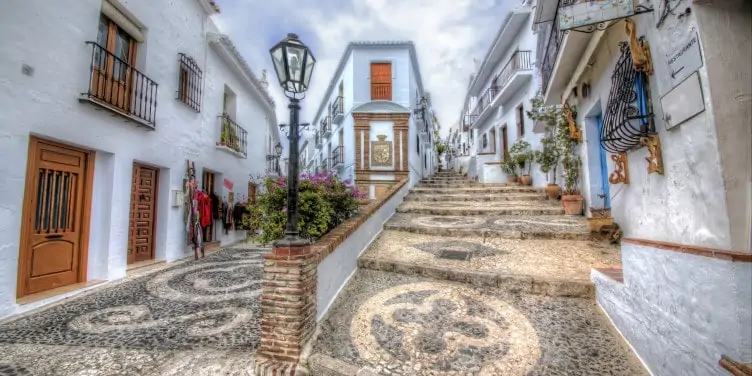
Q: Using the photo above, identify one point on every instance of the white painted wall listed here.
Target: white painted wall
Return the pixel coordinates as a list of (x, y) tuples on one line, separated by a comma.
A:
[(46, 104), (401, 71)]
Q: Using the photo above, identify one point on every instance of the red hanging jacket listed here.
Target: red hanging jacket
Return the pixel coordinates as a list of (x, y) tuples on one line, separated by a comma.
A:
[(204, 209)]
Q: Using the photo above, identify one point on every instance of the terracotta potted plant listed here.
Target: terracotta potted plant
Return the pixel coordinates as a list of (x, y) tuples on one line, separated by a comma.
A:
[(600, 217), (548, 160), (571, 198), (522, 154)]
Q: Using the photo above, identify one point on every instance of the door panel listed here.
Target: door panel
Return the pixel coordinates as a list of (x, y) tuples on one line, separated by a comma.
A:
[(605, 185), (381, 81), (51, 254), (504, 149), (143, 214)]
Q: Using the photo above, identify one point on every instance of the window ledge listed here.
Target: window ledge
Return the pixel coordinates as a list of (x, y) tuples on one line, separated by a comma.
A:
[(232, 151), (128, 117)]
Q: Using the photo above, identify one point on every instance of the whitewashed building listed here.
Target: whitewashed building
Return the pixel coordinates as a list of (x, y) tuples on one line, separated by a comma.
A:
[(662, 103), (369, 126), (99, 119), (494, 112)]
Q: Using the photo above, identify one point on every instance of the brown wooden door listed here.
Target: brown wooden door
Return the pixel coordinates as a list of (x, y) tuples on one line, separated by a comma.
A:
[(381, 81), (504, 143), (56, 216), (143, 213)]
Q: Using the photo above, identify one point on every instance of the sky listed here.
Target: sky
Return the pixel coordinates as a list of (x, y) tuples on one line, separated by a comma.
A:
[(447, 34)]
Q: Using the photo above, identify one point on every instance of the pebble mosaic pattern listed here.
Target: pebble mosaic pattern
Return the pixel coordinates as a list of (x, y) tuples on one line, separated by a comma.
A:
[(207, 308), (405, 325)]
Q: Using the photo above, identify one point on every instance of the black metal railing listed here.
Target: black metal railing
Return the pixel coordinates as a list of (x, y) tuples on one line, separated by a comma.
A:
[(233, 135), (338, 107), (189, 82), (325, 164), (318, 138), (114, 83), (485, 100), (467, 121), (326, 124), (272, 164), (553, 46), (338, 155), (520, 60)]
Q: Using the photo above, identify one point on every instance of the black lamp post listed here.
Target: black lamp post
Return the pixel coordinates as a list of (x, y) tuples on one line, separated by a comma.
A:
[(293, 63)]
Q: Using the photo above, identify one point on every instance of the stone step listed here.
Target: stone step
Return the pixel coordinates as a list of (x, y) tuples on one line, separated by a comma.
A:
[(506, 227), (527, 208), (470, 184), (393, 324), (477, 189), (483, 197)]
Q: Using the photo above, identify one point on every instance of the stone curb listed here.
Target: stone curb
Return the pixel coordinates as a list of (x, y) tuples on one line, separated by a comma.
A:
[(512, 283), (474, 189), (532, 211), (476, 198), (488, 233)]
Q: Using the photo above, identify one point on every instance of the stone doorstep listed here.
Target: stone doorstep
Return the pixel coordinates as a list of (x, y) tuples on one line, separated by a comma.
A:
[(508, 234), (512, 283), (529, 211), (323, 365)]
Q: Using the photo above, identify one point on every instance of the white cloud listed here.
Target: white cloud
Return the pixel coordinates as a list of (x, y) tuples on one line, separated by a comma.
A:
[(447, 34)]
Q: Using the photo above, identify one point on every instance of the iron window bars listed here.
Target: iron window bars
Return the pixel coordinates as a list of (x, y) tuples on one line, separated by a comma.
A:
[(116, 84), (628, 115), (189, 82)]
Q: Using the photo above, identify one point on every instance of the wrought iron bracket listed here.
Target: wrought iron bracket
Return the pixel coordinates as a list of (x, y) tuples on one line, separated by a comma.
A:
[(621, 169), (655, 155), (604, 25)]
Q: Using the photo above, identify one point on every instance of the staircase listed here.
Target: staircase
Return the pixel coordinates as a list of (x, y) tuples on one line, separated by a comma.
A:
[(474, 279)]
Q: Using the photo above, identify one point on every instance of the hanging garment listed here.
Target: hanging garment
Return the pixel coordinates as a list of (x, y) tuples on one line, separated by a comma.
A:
[(204, 207), (225, 216), (237, 214), (196, 221), (216, 206)]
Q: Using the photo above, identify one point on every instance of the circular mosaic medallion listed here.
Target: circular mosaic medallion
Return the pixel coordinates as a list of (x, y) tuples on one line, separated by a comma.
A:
[(449, 221), (443, 329)]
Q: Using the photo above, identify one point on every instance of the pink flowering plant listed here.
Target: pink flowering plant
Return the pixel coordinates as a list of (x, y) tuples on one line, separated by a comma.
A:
[(325, 202)]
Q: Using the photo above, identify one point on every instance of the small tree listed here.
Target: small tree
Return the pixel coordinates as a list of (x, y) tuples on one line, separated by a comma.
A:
[(548, 157), (521, 152), (509, 167)]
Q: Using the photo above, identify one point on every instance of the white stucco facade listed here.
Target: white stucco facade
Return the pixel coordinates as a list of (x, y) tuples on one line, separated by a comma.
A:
[(352, 82), (685, 300), (498, 96), (43, 101)]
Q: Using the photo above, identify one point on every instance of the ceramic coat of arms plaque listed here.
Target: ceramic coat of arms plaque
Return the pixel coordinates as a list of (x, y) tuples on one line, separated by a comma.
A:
[(381, 152)]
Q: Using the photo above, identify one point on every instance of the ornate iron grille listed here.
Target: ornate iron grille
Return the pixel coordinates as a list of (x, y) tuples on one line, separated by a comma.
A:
[(627, 116), (189, 82)]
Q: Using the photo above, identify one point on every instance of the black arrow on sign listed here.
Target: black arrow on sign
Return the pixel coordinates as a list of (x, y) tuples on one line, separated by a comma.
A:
[(673, 73)]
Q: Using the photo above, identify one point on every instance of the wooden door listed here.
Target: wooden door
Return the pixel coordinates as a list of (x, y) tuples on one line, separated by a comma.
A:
[(143, 213), (504, 143), (381, 81), (54, 230)]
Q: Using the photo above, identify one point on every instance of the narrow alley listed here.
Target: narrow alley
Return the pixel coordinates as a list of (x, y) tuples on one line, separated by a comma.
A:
[(475, 279)]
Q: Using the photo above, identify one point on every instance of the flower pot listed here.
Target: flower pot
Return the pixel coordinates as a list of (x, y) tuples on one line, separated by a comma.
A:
[(596, 224), (518, 179), (553, 191), (511, 179), (572, 204), (526, 180)]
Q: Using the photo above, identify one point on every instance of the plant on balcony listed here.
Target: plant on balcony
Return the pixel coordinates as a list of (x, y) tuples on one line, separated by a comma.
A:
[(325, 202), (228, 136), (524, 156)]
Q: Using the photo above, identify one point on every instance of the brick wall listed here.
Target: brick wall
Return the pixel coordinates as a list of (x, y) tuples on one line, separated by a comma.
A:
[(288, 300)]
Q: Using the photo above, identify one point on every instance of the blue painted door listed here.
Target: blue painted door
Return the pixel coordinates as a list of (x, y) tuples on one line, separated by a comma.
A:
[(604, 167)]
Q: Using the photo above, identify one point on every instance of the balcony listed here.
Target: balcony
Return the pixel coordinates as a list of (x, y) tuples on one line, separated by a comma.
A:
[(338, 110), (516, 73), (325, 164), (272, 165), (319, 140), (338, 156), (467, 121), (232, 137), (326, 126), (117, 86)]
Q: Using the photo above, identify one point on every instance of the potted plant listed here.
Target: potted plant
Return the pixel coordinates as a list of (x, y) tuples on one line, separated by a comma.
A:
[(571, 198), (600, 218), (509, 167), (523, 155), (548, 160)]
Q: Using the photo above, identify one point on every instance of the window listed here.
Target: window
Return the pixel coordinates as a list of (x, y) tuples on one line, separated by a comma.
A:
[(520, 115), (417, 144), (114, 57), (505, 151), (381, 81), (189, 82), (493, 140)]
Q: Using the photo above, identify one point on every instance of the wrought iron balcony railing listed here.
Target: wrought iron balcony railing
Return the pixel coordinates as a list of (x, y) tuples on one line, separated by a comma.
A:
[(319, 139), (325, 164), (115, 84), (338, 109), (520, 60), (338, 156), (232, 135), (272, 165), (551, 53), (326, 125)]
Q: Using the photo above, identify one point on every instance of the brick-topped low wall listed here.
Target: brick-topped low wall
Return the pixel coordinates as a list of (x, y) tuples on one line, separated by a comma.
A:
[(301, 280)]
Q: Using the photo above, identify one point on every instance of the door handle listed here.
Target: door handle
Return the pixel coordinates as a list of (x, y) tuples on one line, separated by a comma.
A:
[(54, 236)]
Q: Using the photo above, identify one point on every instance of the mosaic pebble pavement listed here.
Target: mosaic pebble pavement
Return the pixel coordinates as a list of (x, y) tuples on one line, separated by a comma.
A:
[(194, 318)]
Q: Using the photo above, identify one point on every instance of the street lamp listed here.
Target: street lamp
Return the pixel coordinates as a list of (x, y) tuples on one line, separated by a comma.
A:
[(293, 63)]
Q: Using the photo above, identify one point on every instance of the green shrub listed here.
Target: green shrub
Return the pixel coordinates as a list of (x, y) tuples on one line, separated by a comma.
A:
[(324, 203)]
